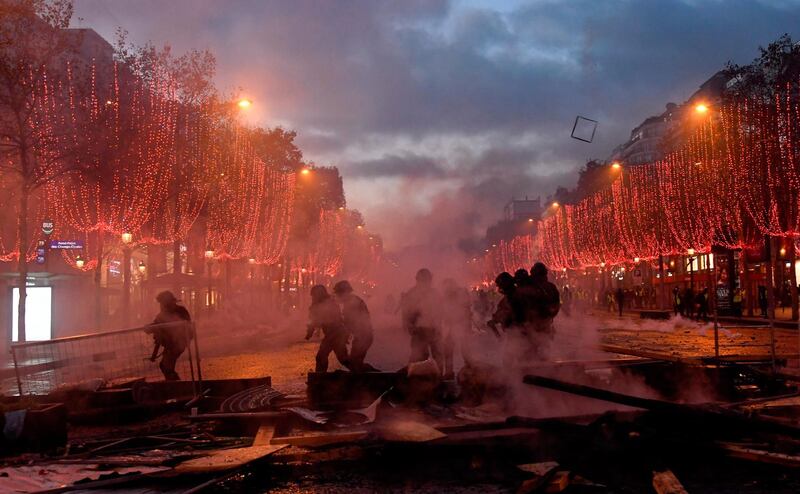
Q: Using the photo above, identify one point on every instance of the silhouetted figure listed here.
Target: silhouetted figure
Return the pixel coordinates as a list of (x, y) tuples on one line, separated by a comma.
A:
[(173, 338), (505, 314), (702, 305), (689, 302), (357, 322), (545, 307), (522, 278), (620, 300), (421, 317), (763, 301), (324, 313)]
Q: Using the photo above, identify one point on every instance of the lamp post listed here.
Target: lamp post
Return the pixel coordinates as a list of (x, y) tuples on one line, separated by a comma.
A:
[(690, 252), (209, 255), (252, 262), (127, 239)]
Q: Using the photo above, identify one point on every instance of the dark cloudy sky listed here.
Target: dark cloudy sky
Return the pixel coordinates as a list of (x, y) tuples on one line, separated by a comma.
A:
[(438, 112)]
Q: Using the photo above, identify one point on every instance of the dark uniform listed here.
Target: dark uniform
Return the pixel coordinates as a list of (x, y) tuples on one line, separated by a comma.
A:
[(421, 317), (174, 338), (357, 322), (324, 313), (542, 304)]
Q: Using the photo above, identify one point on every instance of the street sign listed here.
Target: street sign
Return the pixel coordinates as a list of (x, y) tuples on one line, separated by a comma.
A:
[(66, 244), (48, 227)]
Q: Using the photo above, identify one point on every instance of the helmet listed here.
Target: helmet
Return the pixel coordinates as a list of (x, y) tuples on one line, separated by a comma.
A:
[(318, 293), (504, 280), (539, 270), (166, 297), (424, 276), (342, 287)]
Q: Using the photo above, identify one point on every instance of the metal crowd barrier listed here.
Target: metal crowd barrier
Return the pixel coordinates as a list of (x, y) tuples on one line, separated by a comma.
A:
[(42, 367)]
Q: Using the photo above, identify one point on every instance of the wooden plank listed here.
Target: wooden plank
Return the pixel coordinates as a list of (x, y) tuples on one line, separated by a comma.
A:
[(264, 435), (542, 472), (323, 439), (227, 459), (667, 483), (559, 482), (708, 413), (760, 456), (407, 431)]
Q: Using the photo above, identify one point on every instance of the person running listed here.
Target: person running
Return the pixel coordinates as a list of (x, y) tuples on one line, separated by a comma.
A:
[(357, 322), (324, 313), (421, 317), (174, 338)]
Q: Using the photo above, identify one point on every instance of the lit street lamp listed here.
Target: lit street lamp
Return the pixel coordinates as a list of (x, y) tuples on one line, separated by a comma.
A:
[(690, 252), (244, 103)]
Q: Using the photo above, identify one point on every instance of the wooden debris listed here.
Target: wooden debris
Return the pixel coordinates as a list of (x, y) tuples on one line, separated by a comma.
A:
[(264, 435), (559, 482), (543, 472), (760, 456), (407, 431), (539, 469), (706, 413), (227, 459), (667, 483), (321, 439)]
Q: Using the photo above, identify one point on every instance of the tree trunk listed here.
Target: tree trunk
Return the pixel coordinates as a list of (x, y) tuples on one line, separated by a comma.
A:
[(98, 277), (793, 281), (22, 235)]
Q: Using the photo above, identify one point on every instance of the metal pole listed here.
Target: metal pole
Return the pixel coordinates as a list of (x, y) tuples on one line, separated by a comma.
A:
[(126, 286), (713, 298), (208, 293), (663, 289), (16, 369), (197, 359), (771, 300)]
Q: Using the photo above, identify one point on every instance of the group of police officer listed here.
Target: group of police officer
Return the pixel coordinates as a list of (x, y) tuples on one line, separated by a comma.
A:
[(434, 319)]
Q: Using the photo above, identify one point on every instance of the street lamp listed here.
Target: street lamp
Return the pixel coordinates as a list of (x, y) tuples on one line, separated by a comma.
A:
[(701, 108), (616, 165), (305, 171), (244, 103), (555, 204), (209, 255), (690, 251)]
